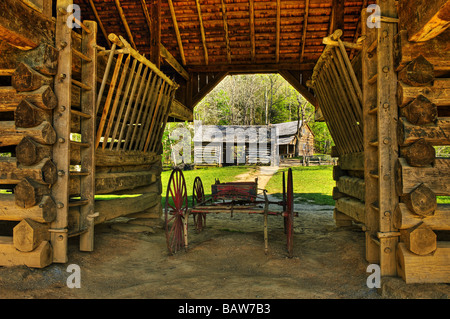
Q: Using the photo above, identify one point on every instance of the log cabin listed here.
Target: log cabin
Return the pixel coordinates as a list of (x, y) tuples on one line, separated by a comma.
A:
[(87, 88)]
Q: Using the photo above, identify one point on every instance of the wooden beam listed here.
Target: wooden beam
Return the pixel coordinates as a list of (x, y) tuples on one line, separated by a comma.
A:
[(435, 134), (251, 68), (43, 212), (278, 31), (211, 85), (177, 32), (16, 28), (424, 20), (305, 26), (125, 23), (38, 258), (99, 21), (252, 29), (202, 30), (435, 177), (165, 54), (155, 33), (337, 16), (432, 268), (299, 87), (168, 57), (225, 28)]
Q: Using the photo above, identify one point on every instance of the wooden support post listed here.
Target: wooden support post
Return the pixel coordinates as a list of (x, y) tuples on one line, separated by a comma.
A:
[(61, 123), (369, 101), (87, 183), (387, 135)]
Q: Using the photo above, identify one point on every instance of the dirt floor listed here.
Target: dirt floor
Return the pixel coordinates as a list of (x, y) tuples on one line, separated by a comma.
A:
[(224, 261)]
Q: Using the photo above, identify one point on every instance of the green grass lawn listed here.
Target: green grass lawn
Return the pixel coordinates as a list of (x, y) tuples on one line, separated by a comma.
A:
[(312, 184)]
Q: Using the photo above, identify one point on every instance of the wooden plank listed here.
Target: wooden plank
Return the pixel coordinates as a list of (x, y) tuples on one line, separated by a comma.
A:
[(434, 134), (43, 212), (12, 173), (352, 186), (352, 161), (110, 209), (38, 258), (106, 183), (424, 20), (432, 268), (12, 135), (438, 93), (43, 98), (405, 219), (352, 208), (252, 30), (435, 177)]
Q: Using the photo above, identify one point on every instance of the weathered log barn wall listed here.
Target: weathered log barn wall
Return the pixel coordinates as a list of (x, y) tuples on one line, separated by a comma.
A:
[(388, 177), (55, 153)]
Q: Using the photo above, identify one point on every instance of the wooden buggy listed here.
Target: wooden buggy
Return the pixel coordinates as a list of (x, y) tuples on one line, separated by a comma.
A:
[(232, 197)]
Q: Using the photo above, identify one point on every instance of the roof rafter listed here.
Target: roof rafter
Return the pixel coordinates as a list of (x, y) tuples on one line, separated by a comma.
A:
[(202, 30), (165, 54), (278, 31), (100, 24), (177, 32), (125, 23), (225, 28), (252, 29), (305, 26)]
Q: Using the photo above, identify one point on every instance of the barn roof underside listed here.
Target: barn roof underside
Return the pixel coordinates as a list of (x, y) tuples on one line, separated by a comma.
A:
[(242, 34), (210, 39)]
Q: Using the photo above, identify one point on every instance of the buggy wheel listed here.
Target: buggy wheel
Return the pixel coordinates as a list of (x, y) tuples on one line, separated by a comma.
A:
[(176, 210), (289, 214), (198, 197)]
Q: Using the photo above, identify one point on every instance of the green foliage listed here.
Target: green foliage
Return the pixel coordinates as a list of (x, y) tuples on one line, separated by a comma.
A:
[(257, 100)]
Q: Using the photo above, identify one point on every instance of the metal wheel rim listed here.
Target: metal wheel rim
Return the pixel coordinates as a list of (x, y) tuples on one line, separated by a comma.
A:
[(175, 214), (198, 196)]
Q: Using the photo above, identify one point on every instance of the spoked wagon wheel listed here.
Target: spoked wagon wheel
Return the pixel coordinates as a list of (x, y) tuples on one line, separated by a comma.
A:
[(289, 214), (176, 210), (198, 196)]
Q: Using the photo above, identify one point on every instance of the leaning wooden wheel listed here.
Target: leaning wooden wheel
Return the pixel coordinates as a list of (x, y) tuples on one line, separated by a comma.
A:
[(198, 197), (176, 210), (289, 214)]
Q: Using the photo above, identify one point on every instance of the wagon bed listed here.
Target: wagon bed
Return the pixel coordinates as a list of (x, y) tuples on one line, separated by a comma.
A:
[(230, 197)]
